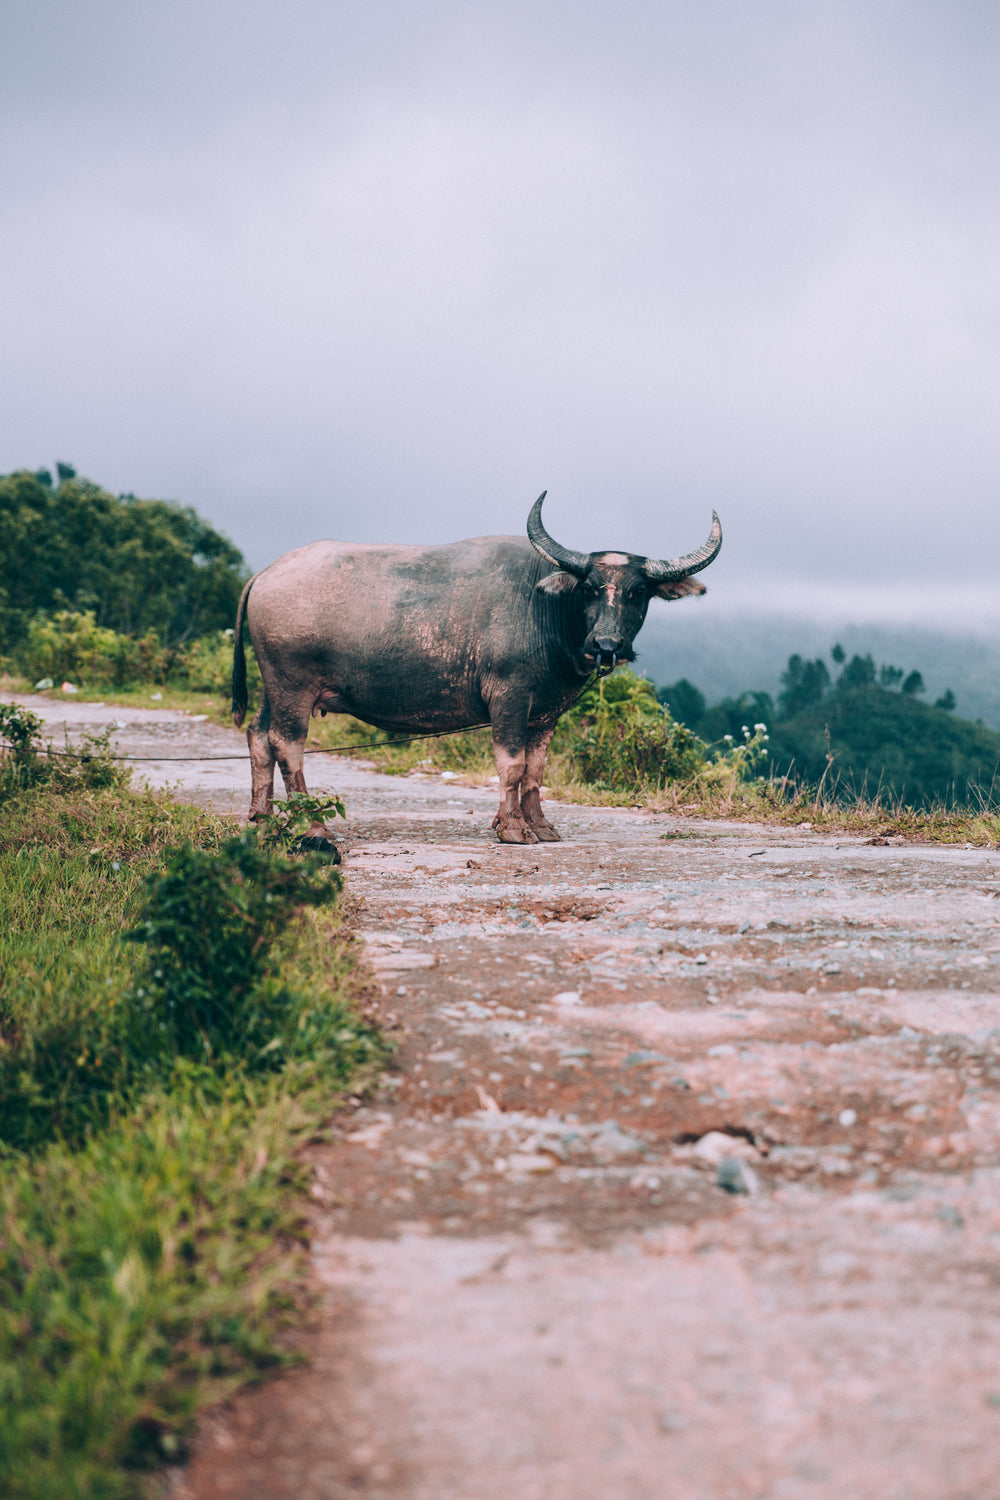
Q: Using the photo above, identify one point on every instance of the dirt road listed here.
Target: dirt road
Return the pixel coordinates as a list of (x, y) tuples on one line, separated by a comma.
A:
[(687, 1186)]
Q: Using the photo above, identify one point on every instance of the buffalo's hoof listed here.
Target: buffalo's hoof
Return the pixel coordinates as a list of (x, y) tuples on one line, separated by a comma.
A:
[(545, 833), (516, 833), (543, 830), (318, 843)]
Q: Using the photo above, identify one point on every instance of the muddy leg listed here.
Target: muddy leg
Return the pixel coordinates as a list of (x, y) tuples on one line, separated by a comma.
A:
[(509, 822), (288, 743), (261, 762), (531, 783)]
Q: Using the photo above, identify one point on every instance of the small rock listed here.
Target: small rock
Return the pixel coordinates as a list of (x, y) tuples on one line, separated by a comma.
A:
[(847, 1117), (715, 1146), (672, 1421), (611, 1141), (831, 968), (702, 958), (744, 926), (530, 1162), (734, 1176), (567, 997)]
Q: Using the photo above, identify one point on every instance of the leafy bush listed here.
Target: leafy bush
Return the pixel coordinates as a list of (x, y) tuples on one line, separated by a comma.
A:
[(205, 665), (619, 738), (209, 990), (211, 924), (70, 644)]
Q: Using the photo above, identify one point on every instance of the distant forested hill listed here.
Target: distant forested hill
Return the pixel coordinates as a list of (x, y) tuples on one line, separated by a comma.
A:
[(725, 654), (912, 750), (856, 725), (138, 565)]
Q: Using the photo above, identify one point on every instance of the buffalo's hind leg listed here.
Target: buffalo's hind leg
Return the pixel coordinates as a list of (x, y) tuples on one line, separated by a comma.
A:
[(531, 787), (286, 736), (262, 758)]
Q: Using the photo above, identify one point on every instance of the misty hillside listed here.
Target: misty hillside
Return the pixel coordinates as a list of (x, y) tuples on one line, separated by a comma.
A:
[(915, 752), (726, 655)]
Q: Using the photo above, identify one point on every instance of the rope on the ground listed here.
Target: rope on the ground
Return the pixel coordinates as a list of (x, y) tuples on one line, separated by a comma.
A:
[(433, 734), (409, 739)]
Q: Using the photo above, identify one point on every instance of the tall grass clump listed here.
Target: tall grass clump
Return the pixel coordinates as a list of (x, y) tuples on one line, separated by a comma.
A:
[(177, 1014), (618, 738)]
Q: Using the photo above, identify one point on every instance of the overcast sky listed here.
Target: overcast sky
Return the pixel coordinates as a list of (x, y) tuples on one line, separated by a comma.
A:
[(384, 271)]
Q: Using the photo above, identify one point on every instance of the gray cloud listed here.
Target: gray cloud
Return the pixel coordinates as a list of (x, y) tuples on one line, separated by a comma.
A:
[(385, 271)]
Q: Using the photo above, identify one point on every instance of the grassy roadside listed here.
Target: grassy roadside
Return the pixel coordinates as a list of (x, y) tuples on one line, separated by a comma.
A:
[(154, 1096)]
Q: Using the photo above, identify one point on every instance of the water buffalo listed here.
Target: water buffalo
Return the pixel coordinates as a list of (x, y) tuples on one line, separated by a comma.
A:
[(426, 639)]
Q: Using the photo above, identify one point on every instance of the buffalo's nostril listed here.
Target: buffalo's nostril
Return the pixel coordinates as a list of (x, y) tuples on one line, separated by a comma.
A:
[(608, 644)]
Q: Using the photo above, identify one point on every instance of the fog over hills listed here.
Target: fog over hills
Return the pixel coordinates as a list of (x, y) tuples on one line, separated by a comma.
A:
[(726, 654)]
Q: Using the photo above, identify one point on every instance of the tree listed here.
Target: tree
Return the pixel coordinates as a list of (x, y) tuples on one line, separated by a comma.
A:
[(803, 684), (139, 565), (859, 673), (947, 701), (838, 654), (889, 677), (685, 703), (914, 684)]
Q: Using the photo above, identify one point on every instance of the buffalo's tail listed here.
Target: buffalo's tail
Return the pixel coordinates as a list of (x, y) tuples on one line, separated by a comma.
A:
[(239, 660)]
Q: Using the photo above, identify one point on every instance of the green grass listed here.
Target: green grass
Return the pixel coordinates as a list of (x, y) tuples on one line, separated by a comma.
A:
[(151, 1234)]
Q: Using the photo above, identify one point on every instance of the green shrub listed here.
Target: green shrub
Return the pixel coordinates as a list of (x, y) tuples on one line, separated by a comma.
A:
[(69, 644), (210, 925), (618, 737), (205, 665)]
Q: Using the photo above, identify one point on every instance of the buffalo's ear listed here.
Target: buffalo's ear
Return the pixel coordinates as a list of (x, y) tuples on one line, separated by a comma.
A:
[(680, 588), (557, 583)]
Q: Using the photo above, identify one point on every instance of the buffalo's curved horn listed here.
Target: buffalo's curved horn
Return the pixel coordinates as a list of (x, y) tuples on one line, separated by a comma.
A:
[(561, 557), (658, 571)]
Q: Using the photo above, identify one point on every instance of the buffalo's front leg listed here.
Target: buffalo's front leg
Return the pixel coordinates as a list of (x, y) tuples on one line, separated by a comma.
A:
[(531, 788), (510, 823)]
